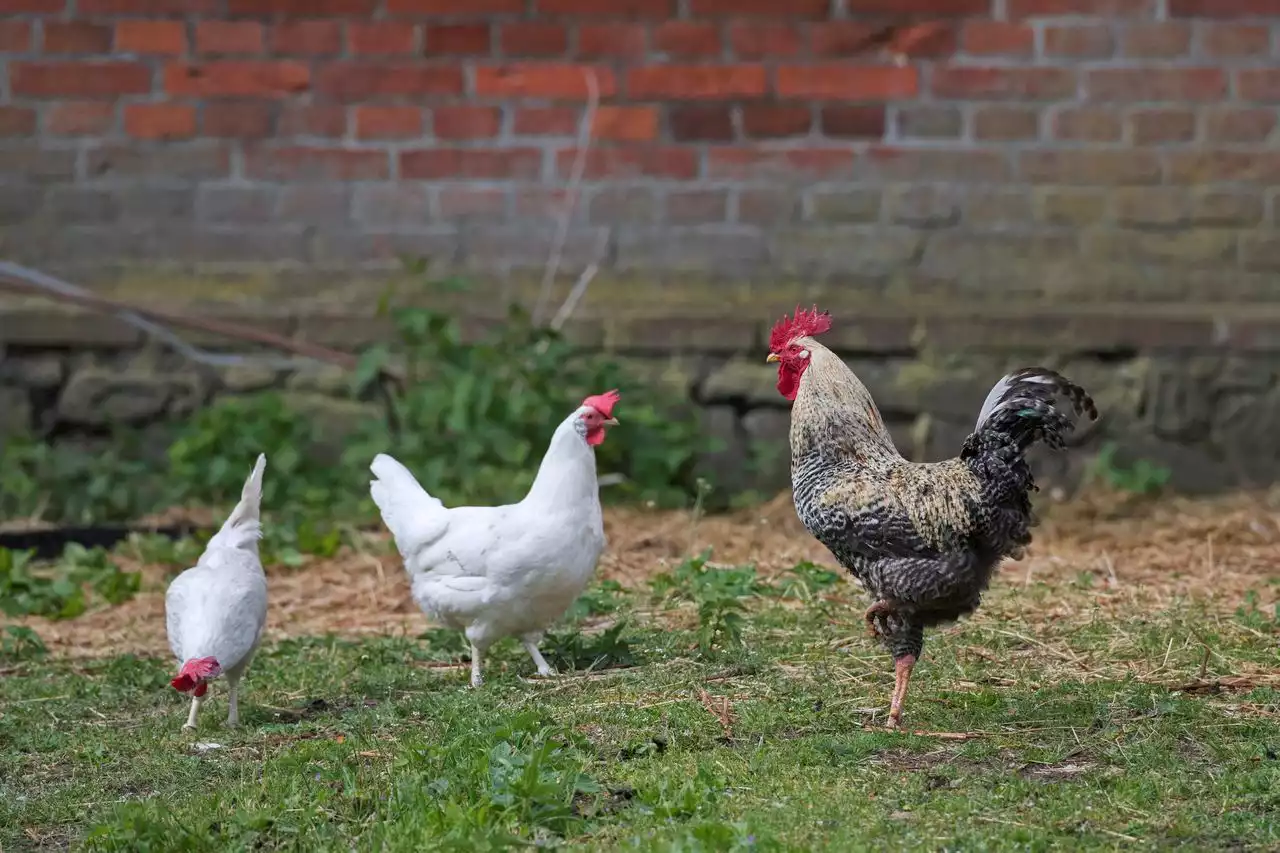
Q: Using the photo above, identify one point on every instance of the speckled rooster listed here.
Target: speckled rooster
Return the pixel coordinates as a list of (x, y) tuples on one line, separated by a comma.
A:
[(924, 539)]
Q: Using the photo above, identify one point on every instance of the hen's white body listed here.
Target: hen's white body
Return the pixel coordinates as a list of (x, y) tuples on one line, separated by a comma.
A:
[(495, 572), (217, 608)]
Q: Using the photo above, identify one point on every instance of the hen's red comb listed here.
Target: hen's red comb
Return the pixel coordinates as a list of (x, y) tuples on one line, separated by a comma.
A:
[(603, 403), (805, 323)]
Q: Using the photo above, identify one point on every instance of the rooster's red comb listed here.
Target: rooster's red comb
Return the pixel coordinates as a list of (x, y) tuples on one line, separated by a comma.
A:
[(603, 403), (804, 323)]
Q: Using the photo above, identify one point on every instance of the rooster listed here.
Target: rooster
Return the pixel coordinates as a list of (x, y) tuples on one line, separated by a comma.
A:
[(495, 572), (923, 539), (214, 612)]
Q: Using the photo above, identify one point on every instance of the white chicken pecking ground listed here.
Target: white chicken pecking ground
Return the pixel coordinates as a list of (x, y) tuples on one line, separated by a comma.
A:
[(504, 571), (214, 612)]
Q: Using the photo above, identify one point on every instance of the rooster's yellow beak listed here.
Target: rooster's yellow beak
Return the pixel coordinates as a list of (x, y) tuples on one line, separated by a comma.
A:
[(773, 356)]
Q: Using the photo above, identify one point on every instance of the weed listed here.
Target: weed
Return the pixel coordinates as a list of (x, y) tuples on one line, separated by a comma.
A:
[(717, 593), (19, 643), (1143, 477), (58, 591)]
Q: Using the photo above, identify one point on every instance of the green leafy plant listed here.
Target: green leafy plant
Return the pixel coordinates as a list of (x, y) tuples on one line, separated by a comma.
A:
[(58, 591), (1143, 477), (18, 642), (719, 594)]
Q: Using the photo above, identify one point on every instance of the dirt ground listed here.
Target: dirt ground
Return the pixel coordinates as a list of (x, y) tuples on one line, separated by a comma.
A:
[(1139, 552)]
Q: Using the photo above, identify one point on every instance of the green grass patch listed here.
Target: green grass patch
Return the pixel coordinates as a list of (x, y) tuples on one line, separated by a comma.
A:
[(756, 733)]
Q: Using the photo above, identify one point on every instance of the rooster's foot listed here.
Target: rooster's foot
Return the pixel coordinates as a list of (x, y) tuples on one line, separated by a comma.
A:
[(880, 608)]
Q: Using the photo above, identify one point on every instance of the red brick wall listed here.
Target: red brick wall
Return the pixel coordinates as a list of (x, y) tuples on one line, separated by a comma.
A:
[(1056, 149)]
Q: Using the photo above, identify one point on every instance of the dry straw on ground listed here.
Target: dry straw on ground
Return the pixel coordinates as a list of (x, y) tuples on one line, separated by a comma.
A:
[(1141, 553)]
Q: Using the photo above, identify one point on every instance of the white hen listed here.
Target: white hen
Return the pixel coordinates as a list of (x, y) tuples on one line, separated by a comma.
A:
[(503, 571), (215, 611)]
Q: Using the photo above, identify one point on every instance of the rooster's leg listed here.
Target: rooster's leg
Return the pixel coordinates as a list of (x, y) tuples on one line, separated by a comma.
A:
[(477, 658), (233, 707), (902, 674), (531, 646), (196, 702), (877, 609)]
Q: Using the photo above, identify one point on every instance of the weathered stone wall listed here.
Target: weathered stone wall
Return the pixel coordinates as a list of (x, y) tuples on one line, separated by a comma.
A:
[(1200, 396)]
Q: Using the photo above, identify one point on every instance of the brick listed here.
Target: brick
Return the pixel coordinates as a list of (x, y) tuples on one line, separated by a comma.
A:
[(147, 7), (687, 39), (324, 121), (81, 206), (651, 9), (557, 81), (922, 206), (540, 202), (626, 124), (788, 164), (838, 81), (382, 38), (847, 39), (78, 79), (891, 163), (471, 164), (769, 206), (1156, 84), (545, 121), (1260, 251), (927, 40), (187, 161), (76, 37), (457, 40), (1161, 40), (767, 8), (1200, 246), (160, 121), (612, 41), (695, 207), (34, 163), (1225, 208), (1006, 123), (17, 121), (475, 8), (390, 204), (1070, 206), (315, 205), (156, 204), (471, 202), (1016, 10), (764, 40), (1258, 84), (87, 118), (308, 8), (1235, 41), (237, 120), (373, 122), (236, 204), (776, 121), (1089, 167), (1160, 207), (306, 38), (246, 38), (717, 82), (15, 36), (1090, 41), (928, 122), (699, 123), (1224, 8), (997, 38), (234, 78), (854, 204), (622, 205), (1239, 124), (1154, 126), (301, 163), (985, 206), (990, 83), (531, 38), (35, 7), (358, 81), (623, 163), (1207, 166), (853, 122), (466, 122), (1087, 124), (154, 38)]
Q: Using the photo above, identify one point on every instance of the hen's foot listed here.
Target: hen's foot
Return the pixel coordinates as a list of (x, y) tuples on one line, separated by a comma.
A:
[(880, 608)]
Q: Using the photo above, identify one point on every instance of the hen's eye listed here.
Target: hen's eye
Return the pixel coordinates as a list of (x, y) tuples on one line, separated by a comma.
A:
[(804, 353)]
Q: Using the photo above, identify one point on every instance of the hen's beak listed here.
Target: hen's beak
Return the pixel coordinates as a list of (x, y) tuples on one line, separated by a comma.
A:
[(610, 422), (773, 356)]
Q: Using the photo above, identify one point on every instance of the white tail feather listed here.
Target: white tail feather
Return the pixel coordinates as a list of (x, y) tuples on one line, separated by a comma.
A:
[(243, 528), (415, 518)]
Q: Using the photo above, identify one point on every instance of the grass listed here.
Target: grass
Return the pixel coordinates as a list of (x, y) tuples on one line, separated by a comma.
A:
[(1060, 717)]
